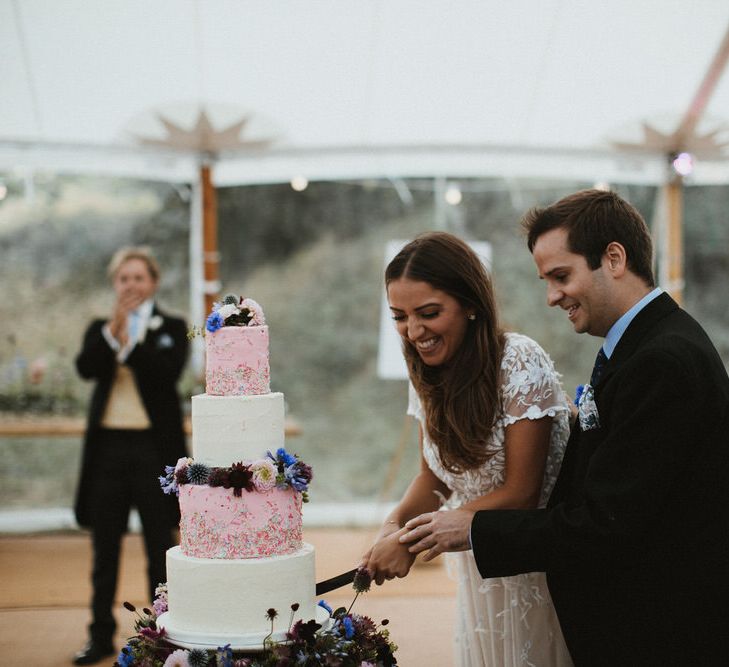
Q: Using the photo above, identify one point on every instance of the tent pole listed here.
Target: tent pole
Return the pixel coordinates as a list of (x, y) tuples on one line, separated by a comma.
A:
[(197, 290), (211, 255), (674, 239)]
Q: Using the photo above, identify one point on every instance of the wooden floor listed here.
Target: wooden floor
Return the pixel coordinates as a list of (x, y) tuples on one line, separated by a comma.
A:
[(45, 592)]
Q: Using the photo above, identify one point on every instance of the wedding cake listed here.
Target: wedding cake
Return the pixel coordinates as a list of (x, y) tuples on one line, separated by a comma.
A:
[(241, 551)]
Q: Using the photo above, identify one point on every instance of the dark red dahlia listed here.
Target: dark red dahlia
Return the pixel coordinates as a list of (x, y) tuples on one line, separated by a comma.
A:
[(240, 477)]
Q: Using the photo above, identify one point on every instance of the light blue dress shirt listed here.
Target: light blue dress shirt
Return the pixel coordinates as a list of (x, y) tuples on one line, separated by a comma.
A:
[(618, 329)]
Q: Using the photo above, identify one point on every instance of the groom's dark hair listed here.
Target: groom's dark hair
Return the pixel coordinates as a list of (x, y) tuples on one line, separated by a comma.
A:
[(593, 219)]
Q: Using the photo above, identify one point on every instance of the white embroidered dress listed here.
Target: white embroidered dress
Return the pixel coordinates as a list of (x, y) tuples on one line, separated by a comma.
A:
[(506, 621)]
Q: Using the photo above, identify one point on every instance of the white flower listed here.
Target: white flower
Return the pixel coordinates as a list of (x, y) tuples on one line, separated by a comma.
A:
[(177, 659), (264, 474), (181, 462), (257, 318), (587, 410), (155, 322), (227, 310)]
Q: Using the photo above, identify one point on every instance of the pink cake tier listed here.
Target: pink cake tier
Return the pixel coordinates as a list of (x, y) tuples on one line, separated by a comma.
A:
[(237, 361), (215, 523)]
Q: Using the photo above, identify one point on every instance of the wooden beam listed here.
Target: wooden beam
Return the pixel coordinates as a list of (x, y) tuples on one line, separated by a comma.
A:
[(701, 99), (211, 254), (673, 271)]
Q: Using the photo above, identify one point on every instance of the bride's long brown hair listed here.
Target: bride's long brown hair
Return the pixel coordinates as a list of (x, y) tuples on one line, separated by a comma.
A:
[(461, 397)]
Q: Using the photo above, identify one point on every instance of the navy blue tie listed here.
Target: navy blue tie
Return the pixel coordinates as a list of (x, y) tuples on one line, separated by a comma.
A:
[(598, 368)]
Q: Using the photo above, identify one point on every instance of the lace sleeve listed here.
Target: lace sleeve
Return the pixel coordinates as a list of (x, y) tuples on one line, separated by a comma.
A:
[(414, 407), (531, 387)]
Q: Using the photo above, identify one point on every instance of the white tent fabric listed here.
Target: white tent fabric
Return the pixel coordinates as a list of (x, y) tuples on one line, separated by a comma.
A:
[(345, 88)]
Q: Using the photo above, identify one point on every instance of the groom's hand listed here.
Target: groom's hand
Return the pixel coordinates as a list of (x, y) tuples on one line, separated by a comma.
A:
[(439, 532)]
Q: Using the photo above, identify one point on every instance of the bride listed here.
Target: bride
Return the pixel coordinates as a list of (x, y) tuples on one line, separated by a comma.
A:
[(493, 425)]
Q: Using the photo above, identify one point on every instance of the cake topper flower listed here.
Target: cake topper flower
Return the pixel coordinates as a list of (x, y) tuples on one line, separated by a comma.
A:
[(232, 311)]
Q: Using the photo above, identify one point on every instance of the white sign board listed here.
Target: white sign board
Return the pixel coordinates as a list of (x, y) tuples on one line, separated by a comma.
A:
[(390, 362)]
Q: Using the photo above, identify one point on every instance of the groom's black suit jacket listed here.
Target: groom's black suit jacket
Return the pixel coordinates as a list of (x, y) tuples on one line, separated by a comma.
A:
[(635, 540)]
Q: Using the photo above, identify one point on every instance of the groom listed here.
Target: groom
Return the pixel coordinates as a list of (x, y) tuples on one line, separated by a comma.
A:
[(635, 539)]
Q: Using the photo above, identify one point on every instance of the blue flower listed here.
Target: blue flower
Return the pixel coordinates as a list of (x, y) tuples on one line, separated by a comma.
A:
[(224, 656), (578, 393), (348, 627), (286, 458), (324, 605), (214, 322), (125, 657)]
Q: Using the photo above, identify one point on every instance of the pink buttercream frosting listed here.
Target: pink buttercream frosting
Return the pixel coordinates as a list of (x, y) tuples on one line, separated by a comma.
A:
[(215, 523), (237, 361)]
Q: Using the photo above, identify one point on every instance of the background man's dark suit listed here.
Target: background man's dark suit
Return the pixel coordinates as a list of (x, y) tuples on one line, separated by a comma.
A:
[(121, 468), (636, 534)]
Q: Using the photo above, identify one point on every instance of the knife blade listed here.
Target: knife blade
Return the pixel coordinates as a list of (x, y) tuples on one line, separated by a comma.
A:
[(335, 582)]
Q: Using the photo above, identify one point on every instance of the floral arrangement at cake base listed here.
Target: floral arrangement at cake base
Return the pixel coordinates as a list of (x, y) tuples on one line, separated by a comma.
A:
[(350, 640)]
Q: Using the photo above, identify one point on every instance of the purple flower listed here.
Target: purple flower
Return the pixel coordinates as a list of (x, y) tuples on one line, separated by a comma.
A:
[(214, 322), (159, 606), (305, 632), (168, 482), (153, 634), (298, 475)]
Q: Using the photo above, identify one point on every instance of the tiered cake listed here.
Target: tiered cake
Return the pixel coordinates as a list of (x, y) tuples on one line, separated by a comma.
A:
[(241, 551)]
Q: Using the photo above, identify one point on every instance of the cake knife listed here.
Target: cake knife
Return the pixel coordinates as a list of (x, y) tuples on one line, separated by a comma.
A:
[(335, 582)]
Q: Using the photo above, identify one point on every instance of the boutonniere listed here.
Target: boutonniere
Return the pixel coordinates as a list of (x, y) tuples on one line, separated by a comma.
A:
[(155, 322), (587, 408)]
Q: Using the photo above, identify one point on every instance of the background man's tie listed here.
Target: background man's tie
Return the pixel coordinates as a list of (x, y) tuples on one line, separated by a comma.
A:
[(133, 327)]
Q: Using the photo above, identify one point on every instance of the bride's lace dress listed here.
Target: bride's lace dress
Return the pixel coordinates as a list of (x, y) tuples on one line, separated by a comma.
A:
[(506, 621)]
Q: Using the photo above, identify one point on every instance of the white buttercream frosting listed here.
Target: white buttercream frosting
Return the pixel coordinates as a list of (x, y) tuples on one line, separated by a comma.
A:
[(227, 429), (232, 596)]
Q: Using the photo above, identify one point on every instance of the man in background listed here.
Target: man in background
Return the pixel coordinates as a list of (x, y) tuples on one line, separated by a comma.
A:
[(135, 357)]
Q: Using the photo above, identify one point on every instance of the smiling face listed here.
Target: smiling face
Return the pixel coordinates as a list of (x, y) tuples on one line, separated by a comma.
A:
[(134, 278), (589, 297), (430, 320)]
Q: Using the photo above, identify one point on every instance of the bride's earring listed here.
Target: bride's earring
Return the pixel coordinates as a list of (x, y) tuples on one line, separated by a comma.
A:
[(472, 317)]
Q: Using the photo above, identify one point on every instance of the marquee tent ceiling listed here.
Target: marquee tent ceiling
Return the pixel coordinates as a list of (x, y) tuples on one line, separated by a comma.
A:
[(343, 89)]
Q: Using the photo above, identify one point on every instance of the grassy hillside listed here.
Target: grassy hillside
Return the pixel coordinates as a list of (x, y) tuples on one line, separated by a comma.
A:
[(314, 261)]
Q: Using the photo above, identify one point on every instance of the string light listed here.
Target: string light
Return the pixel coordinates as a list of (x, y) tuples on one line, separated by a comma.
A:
[(453, 195), (299, 183), (683, 164)]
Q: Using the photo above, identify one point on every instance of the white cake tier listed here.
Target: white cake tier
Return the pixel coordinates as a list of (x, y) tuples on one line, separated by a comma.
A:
[(231, 597), (249, 642), (228, 429)]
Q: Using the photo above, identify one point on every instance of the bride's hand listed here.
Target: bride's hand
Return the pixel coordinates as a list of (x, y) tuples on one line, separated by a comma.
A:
[(387, 558)]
